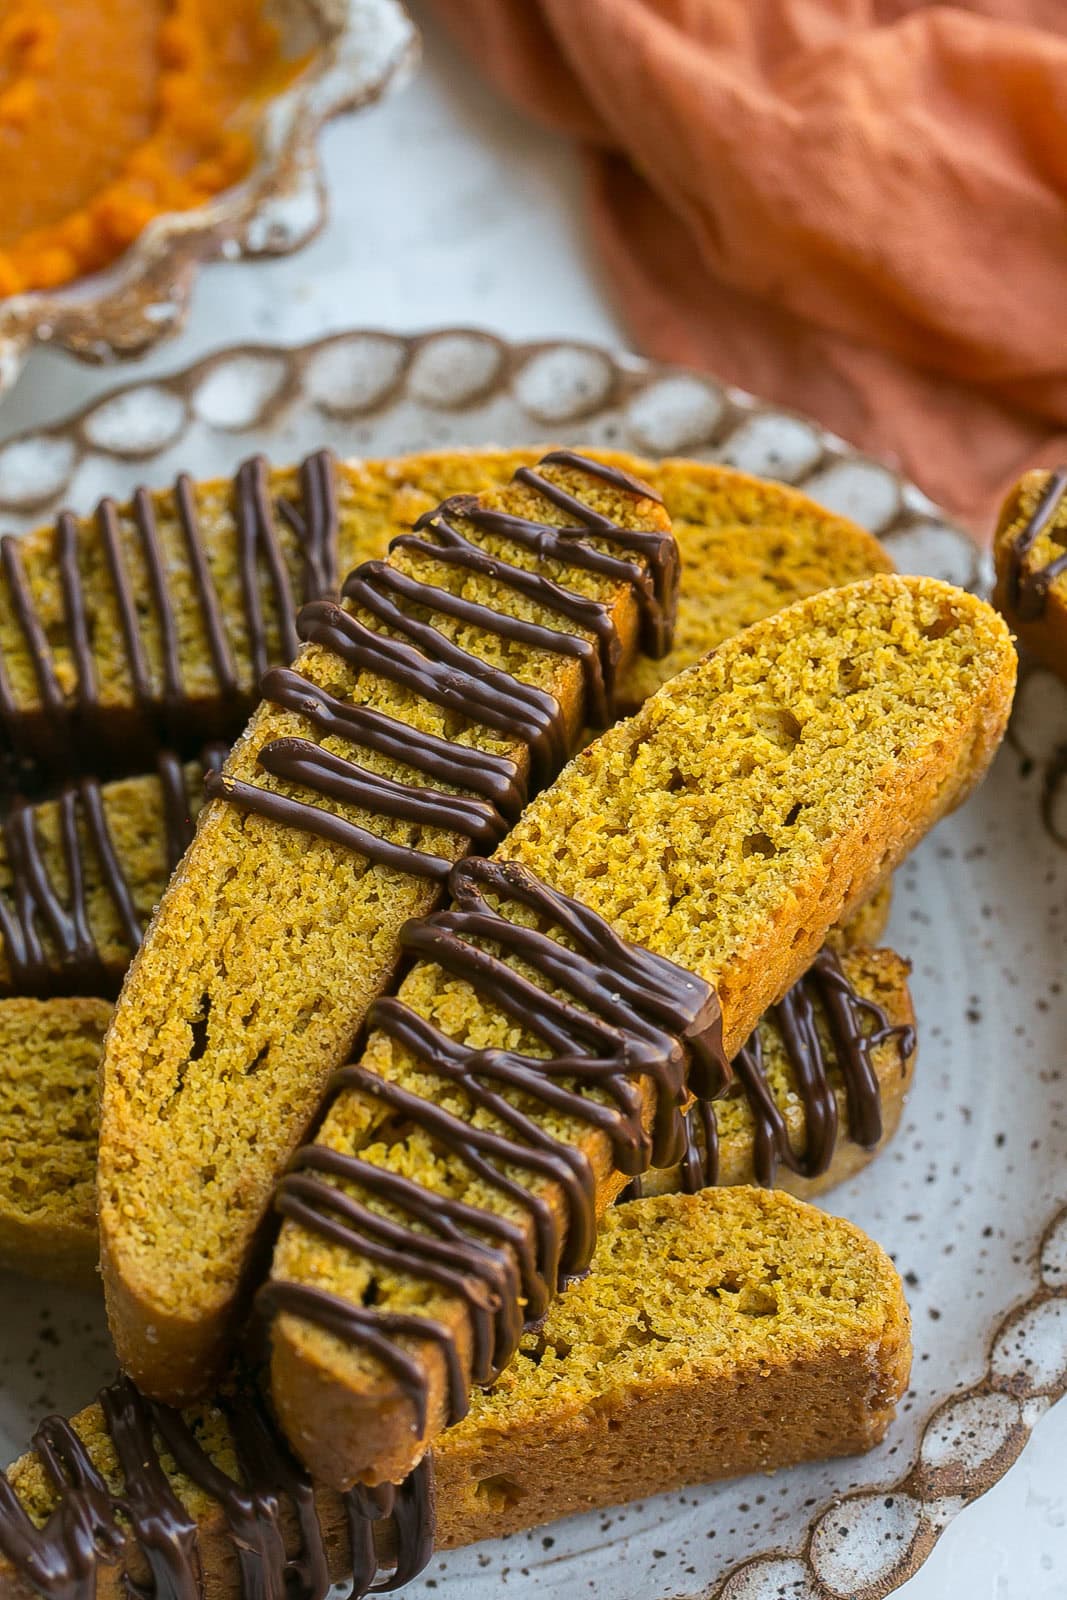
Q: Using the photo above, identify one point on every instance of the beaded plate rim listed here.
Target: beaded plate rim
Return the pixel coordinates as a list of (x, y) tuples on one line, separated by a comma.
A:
[(361, 49), (450, 370)]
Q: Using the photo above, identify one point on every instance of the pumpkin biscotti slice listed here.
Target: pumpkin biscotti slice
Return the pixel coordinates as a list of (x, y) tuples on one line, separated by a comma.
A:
[(817, 1090), (157, 618), (81, 874), (49, 1070), (459, 671), (1030, 556), (837, 1091), (749, 804), (715, 1335)]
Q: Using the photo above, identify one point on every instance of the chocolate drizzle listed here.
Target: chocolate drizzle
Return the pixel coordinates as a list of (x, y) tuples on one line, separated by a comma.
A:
[(400, 644), (48, 940), (618, 1015), (165, 706), (1028, 589), (824, 986), (92, 1526)]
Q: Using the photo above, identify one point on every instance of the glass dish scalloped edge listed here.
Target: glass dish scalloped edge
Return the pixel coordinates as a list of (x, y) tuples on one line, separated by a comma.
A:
[(358, 50)]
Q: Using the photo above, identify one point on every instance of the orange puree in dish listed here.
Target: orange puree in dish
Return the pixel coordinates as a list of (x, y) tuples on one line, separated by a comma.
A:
[(112, 111)]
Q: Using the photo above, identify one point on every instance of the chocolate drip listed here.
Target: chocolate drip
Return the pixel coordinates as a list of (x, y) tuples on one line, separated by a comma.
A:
[(47, 935), (92, 1527), (610, 1015), (1028, 590), (825, 986), (418, 656), (167, 707)]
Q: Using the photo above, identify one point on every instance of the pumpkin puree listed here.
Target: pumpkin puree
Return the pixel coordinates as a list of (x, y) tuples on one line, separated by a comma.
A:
[(112, 111)]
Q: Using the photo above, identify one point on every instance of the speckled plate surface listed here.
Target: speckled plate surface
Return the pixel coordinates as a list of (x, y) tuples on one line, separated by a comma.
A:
[(972, 1198), (356, 50)]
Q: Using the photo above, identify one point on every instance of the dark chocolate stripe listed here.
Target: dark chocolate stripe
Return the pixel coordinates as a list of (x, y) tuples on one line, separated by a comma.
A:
[(1028, 589), (414, 653), (824, 988), (610, 1016), (91, 1527)]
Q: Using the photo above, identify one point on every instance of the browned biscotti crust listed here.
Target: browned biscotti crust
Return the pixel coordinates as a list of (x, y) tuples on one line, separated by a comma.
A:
[(753, 801), (271, 943), (1042, 627), (594, 1411)]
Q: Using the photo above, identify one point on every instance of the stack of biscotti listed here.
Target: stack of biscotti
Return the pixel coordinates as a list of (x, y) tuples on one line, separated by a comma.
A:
[(746, 545), (714, 1335), (751, 802), (657, 868), (156, 619), (50, 1065)]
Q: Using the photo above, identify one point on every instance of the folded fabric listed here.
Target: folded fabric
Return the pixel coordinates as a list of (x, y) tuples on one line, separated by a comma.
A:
[(854, 207)]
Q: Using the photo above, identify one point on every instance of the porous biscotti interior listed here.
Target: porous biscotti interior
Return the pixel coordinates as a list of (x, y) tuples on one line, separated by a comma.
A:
[(49, 1062), (691, 1294), (689, 829), (134, 809), (271, 943)]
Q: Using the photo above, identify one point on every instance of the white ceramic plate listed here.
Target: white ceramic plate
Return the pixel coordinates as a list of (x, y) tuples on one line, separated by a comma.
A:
[(971, 1200)]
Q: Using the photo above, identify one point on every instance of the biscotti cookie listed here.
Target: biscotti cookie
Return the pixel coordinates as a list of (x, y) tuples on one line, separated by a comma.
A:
[(1030, 555), (50, 1059), (818, 1089), (80, 876), (158, 617), (459, 672), (750, 802), (759, 1307), (49, 1067), (748, 546)]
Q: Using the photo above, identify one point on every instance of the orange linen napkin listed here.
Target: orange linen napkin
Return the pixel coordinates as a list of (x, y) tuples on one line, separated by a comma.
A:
[(854, 207)]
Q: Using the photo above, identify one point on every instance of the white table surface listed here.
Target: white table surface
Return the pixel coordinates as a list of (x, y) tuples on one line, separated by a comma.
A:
[(447, 208)]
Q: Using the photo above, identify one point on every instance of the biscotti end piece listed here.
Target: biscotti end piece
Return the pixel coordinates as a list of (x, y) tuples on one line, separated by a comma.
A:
[(715, 1335), (855, 1116), (1030, 557), (754, 801), (272, 941), (50, 1054), (756, 1330)]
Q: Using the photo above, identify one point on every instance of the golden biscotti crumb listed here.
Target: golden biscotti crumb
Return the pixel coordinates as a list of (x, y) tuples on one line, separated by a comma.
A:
[(49, 1066), (751, 803), (272, 941), (726, 1333)]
